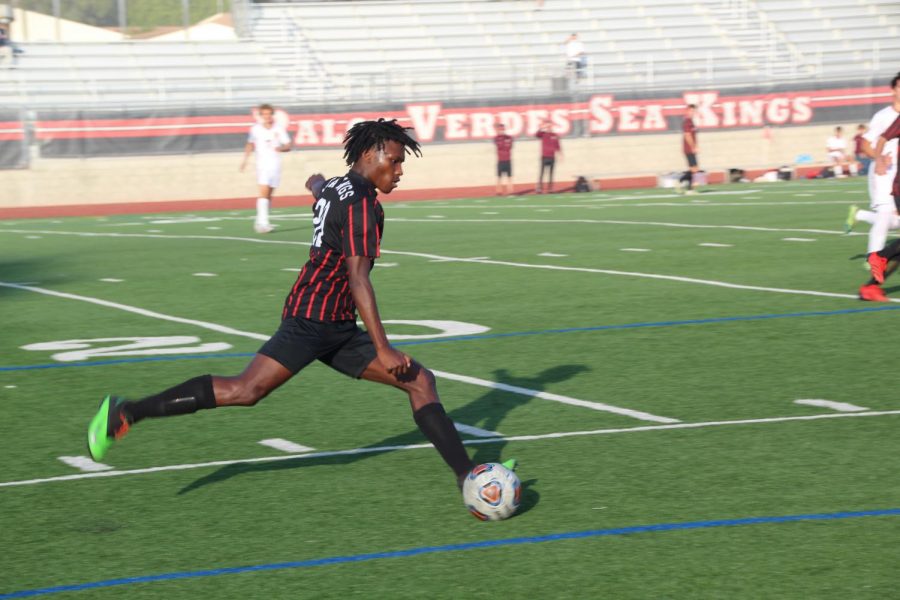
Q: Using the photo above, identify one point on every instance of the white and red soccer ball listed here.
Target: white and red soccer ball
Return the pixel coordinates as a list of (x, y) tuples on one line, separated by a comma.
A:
[(492, 492)]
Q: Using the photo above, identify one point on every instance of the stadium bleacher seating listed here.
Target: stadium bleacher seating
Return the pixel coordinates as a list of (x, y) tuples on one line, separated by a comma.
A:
[(139, 73), (398, 50)]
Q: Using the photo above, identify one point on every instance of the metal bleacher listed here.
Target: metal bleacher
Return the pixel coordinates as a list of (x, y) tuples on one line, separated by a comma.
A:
[(353, 51), (416, 49), (840, 37), (429, 48), (131, 73)]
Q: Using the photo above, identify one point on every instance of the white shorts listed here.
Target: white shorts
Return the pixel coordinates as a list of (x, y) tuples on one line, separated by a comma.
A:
[(837, 156), (880, 188), (269, 177)]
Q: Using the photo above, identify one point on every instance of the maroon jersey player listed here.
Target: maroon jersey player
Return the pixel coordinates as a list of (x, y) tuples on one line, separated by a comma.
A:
[(504, 144), (319, 314), (689, 147), (549, 149)]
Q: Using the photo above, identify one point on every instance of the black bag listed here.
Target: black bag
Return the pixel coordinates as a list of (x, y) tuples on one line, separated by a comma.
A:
[(582, 185), (735, 175)]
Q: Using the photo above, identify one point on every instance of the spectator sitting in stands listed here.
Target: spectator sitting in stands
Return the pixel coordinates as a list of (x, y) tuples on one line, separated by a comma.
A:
[(837, 152), (858, 151), (575, 56)]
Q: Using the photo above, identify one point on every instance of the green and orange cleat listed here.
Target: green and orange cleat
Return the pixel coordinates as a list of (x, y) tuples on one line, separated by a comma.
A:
[(109, 424)]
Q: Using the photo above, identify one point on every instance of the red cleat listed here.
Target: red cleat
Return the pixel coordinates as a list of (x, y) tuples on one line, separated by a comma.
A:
[(877, 263), (872, 293)]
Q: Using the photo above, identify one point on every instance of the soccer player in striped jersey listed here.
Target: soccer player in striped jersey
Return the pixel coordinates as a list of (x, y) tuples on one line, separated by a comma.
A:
[(319, 315)]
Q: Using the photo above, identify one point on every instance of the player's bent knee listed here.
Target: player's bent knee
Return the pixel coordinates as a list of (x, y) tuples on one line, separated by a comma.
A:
[(424, 382), (240, 393)]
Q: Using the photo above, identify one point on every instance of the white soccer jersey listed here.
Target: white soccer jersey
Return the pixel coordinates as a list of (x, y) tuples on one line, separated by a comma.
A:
[(878, 125), (836, 144), (266, 142), (880, 185)]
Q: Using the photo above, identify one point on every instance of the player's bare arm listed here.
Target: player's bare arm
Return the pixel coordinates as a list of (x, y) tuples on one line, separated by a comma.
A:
[(358, 268), (691, 142), (867, 149), (248, 150)]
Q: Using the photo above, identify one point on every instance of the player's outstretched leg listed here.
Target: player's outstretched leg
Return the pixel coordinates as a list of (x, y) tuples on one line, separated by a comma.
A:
[(428, 413), (852, 218), (116, 416)]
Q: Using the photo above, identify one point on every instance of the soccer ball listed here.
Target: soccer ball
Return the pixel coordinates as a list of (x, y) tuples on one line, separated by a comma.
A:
[(492, 492)]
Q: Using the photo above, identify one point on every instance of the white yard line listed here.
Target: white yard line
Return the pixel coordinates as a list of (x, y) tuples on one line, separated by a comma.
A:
[(258, 336), (516, 438), (83, 463), (137, 311), (657, 196), (710, 282), (838, 406), (657, 276), (627, 412), (476, 431), (286, 446), (639, 223)]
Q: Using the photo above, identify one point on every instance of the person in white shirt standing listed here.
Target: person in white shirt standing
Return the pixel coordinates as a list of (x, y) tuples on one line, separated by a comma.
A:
[(269, 140), (576, 56), (882, 213), (837, 152)]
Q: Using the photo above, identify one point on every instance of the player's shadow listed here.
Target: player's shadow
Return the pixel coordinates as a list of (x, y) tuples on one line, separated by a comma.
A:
[(486, 412), (27, 271)]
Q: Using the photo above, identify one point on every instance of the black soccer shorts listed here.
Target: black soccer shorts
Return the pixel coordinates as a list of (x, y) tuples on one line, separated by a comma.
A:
[(691, 159), (504, 167), (341, 345)]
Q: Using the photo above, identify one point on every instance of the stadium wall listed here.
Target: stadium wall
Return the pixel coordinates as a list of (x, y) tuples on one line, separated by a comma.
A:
[(88, 157)]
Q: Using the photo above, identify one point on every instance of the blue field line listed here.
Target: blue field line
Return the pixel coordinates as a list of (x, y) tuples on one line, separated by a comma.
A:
[(468, 338), (355, 558)]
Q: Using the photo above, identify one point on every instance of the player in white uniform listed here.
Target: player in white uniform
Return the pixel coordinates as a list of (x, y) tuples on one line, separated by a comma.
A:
[(268, 140), (836, 146), (882, 213)]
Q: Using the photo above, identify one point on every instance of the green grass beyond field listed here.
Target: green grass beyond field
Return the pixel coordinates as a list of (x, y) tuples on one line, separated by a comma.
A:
[(672, 336)]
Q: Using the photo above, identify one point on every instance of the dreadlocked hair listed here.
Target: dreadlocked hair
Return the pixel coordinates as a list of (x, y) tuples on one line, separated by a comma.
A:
[(374, 134)]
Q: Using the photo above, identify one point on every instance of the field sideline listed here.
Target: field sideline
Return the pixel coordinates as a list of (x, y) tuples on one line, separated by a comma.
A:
[(687, 382)]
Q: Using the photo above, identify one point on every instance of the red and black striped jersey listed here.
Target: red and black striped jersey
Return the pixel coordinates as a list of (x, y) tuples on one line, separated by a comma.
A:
[(347, 221)]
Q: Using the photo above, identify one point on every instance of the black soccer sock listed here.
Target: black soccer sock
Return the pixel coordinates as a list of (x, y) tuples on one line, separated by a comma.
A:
[(184, 398), (891, 251), (438, 428), (891, 267), (688, 178)]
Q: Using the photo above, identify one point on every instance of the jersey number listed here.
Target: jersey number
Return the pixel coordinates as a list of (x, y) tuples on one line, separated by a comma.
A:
[(319, 213)]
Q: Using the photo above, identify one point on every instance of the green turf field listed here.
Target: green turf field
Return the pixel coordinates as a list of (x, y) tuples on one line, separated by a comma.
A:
[(670, 338)]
